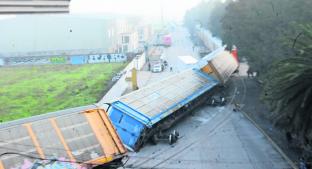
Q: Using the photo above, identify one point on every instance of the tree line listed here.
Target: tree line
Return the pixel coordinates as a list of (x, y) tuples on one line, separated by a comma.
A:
[(275, 36)]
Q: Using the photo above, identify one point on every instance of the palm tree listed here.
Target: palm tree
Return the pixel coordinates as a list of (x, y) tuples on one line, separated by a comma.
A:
[(289, 88)]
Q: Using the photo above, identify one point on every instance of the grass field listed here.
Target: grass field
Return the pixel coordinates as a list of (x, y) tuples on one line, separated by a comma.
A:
[(32, 90)]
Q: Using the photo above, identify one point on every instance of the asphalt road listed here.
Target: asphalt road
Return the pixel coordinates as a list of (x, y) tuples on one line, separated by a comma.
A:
[(181, 47), (180, 56), (213, 137)]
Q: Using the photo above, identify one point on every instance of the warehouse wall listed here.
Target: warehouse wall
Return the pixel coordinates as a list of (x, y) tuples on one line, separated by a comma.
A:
[(27, 61), (64, 59), (78, 60), (32, 33)]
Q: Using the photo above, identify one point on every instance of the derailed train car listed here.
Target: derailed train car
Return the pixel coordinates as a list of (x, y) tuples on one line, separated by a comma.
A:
[(77, 138), (143, 114)]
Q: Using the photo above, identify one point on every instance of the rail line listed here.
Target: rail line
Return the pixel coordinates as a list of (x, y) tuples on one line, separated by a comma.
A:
[(183, 148), (276, 147)]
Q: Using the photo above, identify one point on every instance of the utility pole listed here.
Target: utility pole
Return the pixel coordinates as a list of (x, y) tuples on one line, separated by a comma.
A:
[(162, 12), (134, 79)]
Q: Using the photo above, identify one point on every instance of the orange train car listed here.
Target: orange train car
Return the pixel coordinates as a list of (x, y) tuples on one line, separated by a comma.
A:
[(221, 65), (79, 138)]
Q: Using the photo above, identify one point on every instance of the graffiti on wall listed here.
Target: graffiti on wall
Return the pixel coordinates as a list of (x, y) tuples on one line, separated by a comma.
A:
[(27, 61), (77, 60), (107, 58), (58, 60)]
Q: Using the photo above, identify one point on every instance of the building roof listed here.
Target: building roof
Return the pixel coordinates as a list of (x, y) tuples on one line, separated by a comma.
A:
[(34, 6)]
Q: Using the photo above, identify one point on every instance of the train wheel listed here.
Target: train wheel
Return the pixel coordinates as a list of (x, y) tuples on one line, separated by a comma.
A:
[(171, 139), (212, 102), (176, 135)]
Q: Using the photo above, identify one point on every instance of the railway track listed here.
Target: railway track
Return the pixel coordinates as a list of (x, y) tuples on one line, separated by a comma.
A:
[(179, 148), (169, 155), (271, 141), (183, 147)]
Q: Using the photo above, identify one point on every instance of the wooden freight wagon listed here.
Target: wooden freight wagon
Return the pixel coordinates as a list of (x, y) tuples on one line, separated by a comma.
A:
[(76, 138), (143, 114)]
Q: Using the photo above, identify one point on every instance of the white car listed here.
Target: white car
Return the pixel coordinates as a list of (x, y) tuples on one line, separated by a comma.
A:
[(157, 68)]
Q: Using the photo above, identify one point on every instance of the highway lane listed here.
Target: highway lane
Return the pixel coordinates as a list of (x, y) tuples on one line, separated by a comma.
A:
[(181, 46), (180, 56)]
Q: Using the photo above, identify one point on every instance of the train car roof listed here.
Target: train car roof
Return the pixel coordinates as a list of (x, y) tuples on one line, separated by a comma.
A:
[(203, 62), (46, 116), (156, 101), (83, 134)]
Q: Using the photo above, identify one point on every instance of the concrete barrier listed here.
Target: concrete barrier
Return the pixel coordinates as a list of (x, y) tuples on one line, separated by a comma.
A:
[(121, 85)]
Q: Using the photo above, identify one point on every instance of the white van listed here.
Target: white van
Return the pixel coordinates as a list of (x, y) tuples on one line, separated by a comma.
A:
[(157, 68)]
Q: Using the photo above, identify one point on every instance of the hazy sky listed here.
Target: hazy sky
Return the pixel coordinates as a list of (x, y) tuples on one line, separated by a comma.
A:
[(172, 9)]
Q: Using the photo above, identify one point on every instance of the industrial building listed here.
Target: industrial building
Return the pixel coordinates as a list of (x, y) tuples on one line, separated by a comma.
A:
[(29, 37)]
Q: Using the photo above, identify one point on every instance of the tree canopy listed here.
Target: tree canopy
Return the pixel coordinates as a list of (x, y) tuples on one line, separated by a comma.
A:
[(259, 28), (289, 87), (275, 36)]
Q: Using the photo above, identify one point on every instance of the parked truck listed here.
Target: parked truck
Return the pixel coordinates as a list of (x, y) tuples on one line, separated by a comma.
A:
[(155, 60), (167, 40)]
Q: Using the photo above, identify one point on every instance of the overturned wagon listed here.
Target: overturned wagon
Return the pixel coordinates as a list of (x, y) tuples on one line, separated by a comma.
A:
[(143, 114), (75, 138)]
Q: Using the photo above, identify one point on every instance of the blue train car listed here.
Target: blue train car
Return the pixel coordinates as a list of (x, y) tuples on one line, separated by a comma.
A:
[(143, 114)]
